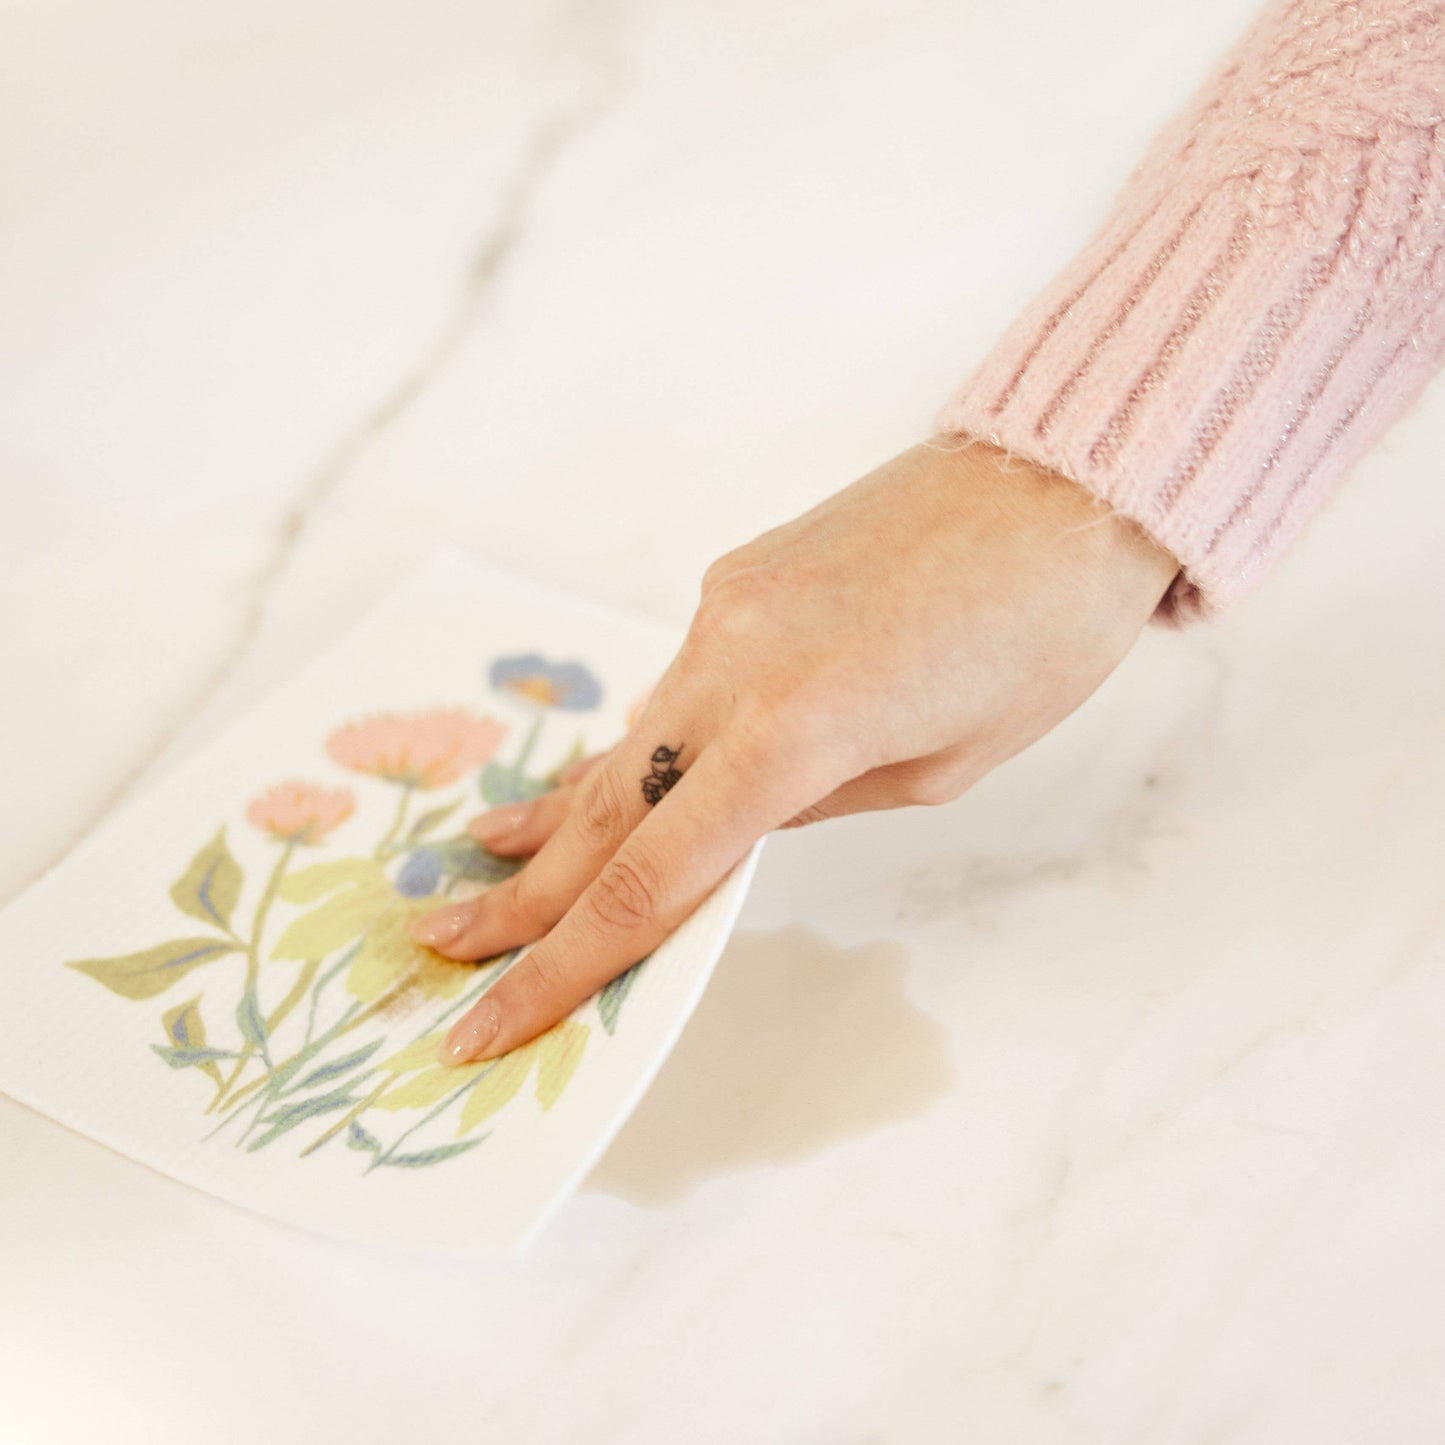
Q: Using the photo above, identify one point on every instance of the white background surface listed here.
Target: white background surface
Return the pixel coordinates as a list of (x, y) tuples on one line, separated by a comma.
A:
[(1103, 1105)]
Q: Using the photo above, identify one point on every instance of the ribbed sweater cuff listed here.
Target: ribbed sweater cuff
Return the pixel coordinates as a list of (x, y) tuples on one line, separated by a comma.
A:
[(1251, 316)]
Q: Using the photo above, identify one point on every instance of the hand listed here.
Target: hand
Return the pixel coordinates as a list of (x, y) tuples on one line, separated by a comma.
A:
[(888, 647)]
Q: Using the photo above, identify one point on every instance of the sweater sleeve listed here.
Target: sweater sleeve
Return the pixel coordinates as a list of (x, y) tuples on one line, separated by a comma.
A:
[(1264, 299)]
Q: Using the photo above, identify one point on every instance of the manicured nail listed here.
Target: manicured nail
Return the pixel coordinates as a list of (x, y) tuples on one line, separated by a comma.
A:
[(471, 1035), (435, 929), (496, 823)]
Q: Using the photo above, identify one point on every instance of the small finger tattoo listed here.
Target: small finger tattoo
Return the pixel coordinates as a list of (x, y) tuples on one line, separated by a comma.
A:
[(663, 774)]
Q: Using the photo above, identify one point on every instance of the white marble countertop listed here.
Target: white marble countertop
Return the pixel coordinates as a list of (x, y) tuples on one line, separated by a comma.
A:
[(1117, 1112)]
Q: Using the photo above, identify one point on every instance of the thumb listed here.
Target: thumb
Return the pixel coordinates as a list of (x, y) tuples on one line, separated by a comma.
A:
[(927, 781)]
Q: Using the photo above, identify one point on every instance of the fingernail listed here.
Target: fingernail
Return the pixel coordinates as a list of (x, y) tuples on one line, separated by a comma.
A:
[(435, 929), (471, 1035), (498, 822)]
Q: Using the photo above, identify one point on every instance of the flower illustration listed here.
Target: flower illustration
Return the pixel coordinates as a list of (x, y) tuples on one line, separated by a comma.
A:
[(566, 685), (325, 969), (420, 875), (300, 812), (419, 750)]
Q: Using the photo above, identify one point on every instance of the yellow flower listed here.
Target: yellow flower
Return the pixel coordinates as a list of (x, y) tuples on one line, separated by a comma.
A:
[(423, 1081), (354, 901)]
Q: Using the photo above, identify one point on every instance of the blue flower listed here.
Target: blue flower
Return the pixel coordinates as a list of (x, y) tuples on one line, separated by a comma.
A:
[(419, 875), (531, 677)]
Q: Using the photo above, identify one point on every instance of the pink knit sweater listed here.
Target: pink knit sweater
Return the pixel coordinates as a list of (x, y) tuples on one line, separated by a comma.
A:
[(1263, 301)]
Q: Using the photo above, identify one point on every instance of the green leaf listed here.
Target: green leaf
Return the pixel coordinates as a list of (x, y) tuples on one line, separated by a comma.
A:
[(359, 1138), (211, 886), (285, 1073), (290, 1115), (433, 818), (424, 1157), (339, 1066), (495, 785), (249, 1020), (194, 1058), (609, 1001), (293, 1113), (154, 970), (500, 784), (183, 1024), (187, 1033), (466, 858)]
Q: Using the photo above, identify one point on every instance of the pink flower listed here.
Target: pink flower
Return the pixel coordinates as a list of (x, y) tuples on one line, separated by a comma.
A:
[(421, 750), (301, 812)]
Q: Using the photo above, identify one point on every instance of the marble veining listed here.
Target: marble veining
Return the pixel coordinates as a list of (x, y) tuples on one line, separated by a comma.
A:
[(491, 254)]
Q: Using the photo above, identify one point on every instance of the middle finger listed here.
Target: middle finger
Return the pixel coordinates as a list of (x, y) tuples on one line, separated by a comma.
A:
[(609, 803)]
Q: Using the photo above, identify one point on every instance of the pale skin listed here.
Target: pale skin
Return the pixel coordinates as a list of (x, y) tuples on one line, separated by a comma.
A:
[(885, 649)]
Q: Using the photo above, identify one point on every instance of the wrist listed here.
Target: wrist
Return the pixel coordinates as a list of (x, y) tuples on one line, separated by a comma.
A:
[(1072, 523)]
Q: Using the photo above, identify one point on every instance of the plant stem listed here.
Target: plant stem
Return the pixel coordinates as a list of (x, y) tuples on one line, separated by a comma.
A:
[(306, 1051), (383, 849), (253, 961), (298, 988), (431, 1114), (533, 733), (308, 1048), (240, 1097), (361, 1106), (325, 979)]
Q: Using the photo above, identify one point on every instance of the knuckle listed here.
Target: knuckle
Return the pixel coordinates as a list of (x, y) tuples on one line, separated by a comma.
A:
[(546, 974), (628, 892), (792, 736), (505, 897), (709, 621), (741, 603), (757, 733), (599, 814), (806, 723), (715, 572), (729, 564), (928, 788), (523, 899)]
